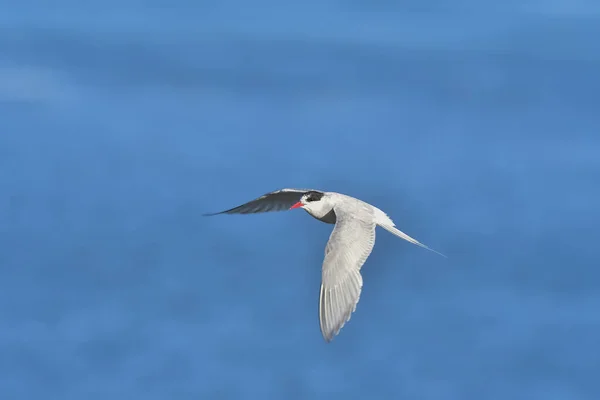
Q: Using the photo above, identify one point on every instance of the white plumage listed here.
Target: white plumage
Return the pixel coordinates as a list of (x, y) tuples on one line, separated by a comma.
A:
[(349, 245)]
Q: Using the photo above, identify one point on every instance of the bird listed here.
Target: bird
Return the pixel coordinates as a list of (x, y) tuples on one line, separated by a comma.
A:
[(350, 244)]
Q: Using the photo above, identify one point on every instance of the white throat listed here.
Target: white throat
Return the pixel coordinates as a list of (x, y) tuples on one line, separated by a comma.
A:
[(318, 209)]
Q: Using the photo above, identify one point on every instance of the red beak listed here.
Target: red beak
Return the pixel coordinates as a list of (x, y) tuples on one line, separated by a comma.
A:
[(298, 204)]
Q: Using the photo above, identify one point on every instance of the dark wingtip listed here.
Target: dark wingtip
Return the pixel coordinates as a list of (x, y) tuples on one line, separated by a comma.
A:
[(211, 214)]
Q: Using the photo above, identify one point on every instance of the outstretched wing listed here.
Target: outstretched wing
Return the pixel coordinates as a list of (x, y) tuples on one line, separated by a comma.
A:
[(349, 246), (278, 200)]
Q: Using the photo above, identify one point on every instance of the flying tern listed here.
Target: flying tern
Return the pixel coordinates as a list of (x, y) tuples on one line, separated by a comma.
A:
[(349, 245)]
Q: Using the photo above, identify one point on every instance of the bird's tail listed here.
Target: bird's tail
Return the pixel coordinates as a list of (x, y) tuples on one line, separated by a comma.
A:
[(386, 223), (402, 235)]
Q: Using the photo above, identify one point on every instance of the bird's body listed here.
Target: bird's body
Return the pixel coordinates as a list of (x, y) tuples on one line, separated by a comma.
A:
[(349, 245)]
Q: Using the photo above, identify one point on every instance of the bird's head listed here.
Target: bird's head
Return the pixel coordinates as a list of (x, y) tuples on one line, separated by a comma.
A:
[(315, 203)]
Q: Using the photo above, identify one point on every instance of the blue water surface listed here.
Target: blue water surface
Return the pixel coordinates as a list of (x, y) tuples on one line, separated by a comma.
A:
[(474, 125)]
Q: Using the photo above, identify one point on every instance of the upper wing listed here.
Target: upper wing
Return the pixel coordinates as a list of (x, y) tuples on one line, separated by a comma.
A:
[(278, 200), (349, 246)]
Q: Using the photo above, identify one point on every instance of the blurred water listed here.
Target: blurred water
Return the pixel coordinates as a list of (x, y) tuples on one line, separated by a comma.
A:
[(474, 125)]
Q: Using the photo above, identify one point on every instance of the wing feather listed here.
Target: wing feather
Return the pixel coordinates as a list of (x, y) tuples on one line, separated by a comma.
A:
[(349, 246), (278, 200)]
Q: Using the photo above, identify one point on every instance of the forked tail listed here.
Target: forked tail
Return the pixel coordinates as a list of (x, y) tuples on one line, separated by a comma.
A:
[(392, 229)]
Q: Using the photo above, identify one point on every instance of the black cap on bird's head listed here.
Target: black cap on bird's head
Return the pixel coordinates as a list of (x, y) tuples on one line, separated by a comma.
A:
[(308, 197), (312, 196)]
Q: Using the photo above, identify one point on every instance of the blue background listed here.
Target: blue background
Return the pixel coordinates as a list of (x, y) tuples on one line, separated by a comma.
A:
[(474, 125)]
